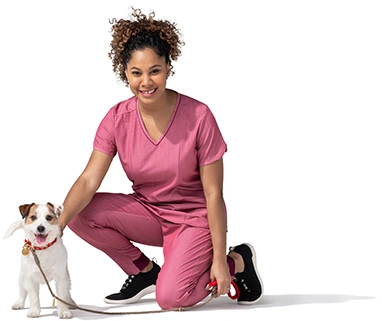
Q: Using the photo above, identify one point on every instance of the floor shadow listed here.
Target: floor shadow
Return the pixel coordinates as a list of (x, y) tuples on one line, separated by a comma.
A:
[(144, 306), (223, 303), (270, 301), (298, 299)]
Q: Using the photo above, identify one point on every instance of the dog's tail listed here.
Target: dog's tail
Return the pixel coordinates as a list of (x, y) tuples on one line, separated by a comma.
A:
[(15, 226)]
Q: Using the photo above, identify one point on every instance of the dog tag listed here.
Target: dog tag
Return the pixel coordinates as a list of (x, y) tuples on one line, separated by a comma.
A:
[(25, 251)]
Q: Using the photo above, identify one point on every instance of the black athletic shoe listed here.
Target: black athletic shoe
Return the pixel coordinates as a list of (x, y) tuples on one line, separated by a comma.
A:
[(248, 281), (135, 287)]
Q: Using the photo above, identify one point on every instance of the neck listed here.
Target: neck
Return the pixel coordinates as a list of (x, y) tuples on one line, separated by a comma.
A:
[(164, 103)]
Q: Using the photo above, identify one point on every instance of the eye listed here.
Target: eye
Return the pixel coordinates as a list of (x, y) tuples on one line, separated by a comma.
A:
[(33, 217), (155, 71), (49, 218), (135, 73)]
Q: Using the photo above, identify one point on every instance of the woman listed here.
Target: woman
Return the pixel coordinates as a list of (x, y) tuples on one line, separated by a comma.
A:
[(171, 149)]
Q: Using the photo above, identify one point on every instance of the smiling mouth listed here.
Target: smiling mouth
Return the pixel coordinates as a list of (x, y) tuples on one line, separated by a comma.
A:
[(41, 238), (148, 92)]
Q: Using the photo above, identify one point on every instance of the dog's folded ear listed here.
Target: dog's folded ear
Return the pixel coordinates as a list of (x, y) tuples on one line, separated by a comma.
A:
[(57, 208), (24, 209)]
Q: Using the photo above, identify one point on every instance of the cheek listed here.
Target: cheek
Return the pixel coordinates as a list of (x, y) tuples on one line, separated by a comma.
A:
[(133, 84), (162, 79)]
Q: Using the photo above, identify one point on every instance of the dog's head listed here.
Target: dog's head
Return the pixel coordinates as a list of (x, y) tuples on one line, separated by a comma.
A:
[(39, 221)]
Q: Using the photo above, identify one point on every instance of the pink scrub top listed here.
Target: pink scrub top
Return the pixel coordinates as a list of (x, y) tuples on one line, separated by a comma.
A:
[(165, 173)]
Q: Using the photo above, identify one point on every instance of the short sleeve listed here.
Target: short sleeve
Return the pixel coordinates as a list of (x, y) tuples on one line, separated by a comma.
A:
[(104, 140), (210, 144)]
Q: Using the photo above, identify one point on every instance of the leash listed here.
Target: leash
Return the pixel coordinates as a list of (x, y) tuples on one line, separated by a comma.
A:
[(212, 286)]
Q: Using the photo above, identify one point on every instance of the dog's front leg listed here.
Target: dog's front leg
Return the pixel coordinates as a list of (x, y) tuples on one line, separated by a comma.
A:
[(33, 289), (63, 292), (20, 303)]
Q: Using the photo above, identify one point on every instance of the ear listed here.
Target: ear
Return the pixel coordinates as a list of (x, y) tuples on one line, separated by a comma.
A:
[(24, 209), (15, 226), (57, 208)]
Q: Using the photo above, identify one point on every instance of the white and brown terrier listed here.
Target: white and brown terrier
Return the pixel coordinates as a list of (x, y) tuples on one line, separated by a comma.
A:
[(42, 233)]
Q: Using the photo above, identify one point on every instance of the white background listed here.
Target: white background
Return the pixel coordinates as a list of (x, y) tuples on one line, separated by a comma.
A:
[(296, 89)]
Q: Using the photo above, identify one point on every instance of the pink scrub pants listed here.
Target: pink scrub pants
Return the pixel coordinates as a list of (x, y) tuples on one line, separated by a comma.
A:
[(111, 222)]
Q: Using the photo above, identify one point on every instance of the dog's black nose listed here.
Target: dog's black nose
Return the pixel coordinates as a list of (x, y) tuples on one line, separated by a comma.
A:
[(40, 229)]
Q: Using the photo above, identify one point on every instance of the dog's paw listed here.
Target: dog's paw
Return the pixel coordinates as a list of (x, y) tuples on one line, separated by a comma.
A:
[(66, 314), (33, 312), (18, 305)]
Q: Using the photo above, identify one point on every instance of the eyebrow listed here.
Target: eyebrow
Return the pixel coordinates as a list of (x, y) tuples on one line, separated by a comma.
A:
[(152, 67)]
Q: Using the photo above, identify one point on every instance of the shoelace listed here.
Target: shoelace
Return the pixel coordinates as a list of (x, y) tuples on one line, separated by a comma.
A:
[(245, 285), (127, 282), (131, 277)]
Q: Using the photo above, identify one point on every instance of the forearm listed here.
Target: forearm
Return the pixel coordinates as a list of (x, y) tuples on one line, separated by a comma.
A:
[(85, 186), (76, 200), (217, 220)]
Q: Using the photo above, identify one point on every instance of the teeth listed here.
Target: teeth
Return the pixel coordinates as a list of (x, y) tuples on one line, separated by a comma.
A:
[(148, 92)]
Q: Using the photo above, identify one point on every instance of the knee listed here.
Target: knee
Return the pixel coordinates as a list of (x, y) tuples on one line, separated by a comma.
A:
[(74, 224), (168, 297), (85, 218), (167, 293), (79, 222)]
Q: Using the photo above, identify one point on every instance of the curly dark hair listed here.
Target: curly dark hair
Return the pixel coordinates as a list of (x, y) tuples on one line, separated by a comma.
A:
[(139, 33)]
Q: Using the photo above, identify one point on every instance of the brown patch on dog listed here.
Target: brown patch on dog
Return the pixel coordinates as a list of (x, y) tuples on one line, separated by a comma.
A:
[(56, 210), (25, 209), (53, 213), (50, 206), (32, 214)]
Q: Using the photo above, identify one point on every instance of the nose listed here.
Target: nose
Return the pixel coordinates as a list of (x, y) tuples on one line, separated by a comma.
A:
[(146, 79), (40, 228)]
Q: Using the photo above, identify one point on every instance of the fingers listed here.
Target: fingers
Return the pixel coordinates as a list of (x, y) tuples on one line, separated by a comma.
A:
[(218, 290), (62, 227), (224, 289)]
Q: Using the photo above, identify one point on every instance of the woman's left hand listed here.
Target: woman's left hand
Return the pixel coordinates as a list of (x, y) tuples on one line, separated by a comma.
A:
[(220, 273)]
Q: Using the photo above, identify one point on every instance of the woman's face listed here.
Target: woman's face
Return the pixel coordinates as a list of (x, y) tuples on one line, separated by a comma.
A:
[(147, 74)]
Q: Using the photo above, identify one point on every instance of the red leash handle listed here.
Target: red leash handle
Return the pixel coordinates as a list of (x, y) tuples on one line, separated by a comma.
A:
[(214, 283)]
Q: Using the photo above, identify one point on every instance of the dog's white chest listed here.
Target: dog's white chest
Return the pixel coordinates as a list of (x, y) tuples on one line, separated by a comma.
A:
[(52, 261)]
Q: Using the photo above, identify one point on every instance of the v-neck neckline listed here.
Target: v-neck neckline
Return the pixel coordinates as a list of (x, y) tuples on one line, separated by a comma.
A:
[(143, 127)]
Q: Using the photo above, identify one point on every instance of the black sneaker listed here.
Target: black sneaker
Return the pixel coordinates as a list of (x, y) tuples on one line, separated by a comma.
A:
[(135, 287), (248, 281)]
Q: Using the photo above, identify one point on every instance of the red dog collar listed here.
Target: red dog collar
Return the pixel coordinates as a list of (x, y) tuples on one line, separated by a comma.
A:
[(27, 242)]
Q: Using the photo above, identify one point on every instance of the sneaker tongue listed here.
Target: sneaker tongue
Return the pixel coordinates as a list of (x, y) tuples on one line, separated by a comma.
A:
[(41, 239)]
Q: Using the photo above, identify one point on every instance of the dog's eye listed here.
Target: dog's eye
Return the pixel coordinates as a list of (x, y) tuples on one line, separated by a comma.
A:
[(49, 217), (33, 217)]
